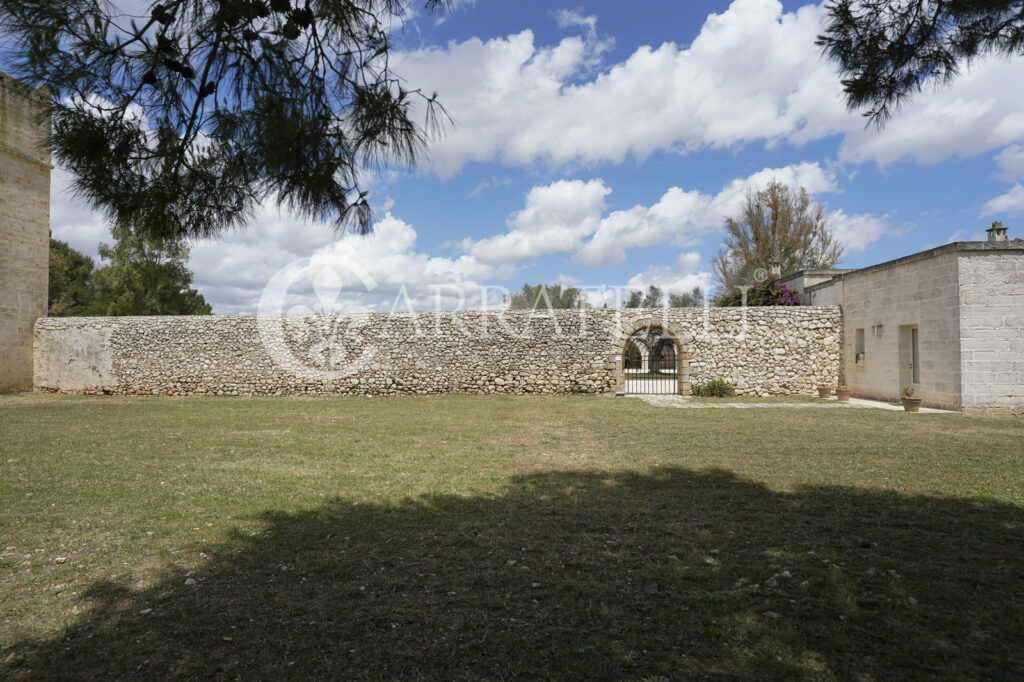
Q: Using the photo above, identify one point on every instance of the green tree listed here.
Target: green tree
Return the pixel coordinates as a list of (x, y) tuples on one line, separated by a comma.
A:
[(654, 298), (145, 275), (690, 299), (70, 286), (775, 224), (181, 119), (554, 296), (887, 50)]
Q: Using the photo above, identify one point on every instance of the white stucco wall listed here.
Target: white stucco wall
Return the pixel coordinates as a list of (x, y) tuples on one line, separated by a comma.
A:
[(991, 314)]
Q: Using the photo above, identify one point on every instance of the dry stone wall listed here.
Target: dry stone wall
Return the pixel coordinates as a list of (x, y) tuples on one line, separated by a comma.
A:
[(762, 351)]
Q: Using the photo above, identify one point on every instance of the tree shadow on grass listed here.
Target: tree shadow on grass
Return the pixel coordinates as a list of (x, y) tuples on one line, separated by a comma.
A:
[(678, 573)]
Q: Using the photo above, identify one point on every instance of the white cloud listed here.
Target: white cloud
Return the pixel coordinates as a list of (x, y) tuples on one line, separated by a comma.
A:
[(1011, 201), (595, 45), (555, 219), (71, 220), (857, 232), (232, 270), (519, 102), (976, 114), (568, 217), (454, 6), (1011, 162), (575, 17), (962, 236), (753, 74), (491, 182), (680, 277)]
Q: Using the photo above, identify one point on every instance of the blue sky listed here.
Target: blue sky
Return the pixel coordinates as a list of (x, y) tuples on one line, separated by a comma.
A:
[(602, 143)]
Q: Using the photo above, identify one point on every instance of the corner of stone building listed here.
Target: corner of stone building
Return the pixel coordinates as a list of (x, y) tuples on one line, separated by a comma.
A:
[(24, 227)]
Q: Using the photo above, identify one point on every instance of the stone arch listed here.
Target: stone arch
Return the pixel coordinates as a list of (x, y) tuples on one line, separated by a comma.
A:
[(681, 340), (635, 355)]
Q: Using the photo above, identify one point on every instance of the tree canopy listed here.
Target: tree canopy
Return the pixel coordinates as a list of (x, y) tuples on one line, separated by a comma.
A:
[(655, 298), (141, 275), (181, 120), (779, 224), (887, 50), (70, 289), (689, 299), (554, 296)]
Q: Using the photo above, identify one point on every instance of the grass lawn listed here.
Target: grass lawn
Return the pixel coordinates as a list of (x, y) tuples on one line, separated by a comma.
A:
[(468, 537)]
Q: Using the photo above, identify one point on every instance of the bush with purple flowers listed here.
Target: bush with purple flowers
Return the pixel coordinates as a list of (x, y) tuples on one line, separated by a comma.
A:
[(766, 293)]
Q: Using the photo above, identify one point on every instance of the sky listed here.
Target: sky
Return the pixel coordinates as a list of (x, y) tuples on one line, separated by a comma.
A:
[(602, 144)]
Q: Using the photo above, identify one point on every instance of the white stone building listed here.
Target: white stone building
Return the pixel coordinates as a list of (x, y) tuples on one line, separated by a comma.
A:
[(948, 322)]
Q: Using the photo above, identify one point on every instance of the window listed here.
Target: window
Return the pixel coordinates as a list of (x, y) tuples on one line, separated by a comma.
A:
[(859, 346)]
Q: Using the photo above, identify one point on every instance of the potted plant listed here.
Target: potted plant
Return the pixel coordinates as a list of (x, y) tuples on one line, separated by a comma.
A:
[(910, 403), (824, 391), (843, 393)]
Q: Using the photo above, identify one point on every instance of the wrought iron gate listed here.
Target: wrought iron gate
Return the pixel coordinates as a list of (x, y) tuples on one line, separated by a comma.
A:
[(649, 364)]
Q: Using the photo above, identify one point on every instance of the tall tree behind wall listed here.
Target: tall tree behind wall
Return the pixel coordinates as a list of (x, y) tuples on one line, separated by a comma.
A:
[(554, 296), (146, 275), (139, 275), (71, 287), (775, 224)]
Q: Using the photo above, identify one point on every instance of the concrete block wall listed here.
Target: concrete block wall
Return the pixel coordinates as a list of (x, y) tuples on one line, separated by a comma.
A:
[(24, 231), (991, 310)]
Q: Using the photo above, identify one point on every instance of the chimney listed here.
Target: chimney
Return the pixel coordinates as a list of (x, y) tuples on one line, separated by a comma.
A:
[(997, 233), (775, 269)]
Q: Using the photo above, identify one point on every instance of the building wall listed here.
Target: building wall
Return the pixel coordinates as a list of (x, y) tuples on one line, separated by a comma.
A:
[(824, 294), (922, 292), (991, 311), (24, 233), (766, 351)]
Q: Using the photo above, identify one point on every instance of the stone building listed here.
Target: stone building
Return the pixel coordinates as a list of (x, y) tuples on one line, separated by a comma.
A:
[(948, 322), (24, 228)]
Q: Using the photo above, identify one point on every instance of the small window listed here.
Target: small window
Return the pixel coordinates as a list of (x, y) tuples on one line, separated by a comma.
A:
[(859, 346)]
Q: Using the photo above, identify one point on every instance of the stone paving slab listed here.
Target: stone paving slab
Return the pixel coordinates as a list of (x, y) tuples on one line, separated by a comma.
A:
[(687, 402)]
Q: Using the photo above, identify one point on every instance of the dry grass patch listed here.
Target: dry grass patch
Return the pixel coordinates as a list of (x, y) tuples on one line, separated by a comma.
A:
[(497, 537)]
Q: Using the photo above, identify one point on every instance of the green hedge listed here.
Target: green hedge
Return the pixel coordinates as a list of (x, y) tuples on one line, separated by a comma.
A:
[(716, 388)]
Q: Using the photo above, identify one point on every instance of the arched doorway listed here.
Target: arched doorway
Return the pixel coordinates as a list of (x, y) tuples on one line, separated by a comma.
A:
[(650, 363), (635, 356)]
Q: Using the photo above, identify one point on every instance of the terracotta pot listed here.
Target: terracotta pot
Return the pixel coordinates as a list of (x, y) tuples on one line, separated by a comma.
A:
[(843, 396), (824, 391), (911, 404)]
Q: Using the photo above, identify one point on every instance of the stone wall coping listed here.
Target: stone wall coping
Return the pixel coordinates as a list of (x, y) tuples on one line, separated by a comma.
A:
[(815, 273), (634, 316), (1009, 247)]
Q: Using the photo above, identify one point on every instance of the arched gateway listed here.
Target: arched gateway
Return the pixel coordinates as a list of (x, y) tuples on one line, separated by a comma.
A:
[(652, 363)]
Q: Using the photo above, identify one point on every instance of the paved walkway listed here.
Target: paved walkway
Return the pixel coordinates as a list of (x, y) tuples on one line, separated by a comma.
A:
[(854, 403)]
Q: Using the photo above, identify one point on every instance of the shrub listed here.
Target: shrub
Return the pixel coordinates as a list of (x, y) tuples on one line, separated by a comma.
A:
[(767, 293), (716, 388)]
